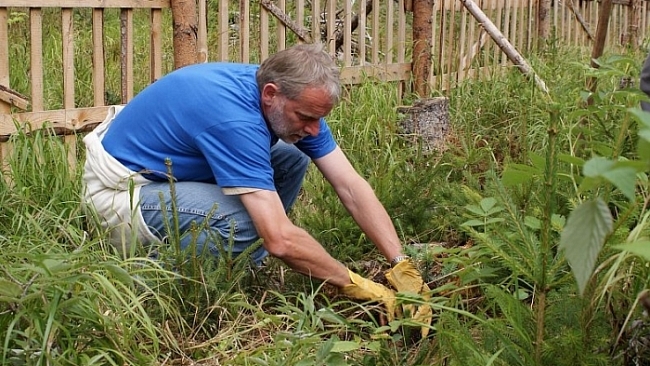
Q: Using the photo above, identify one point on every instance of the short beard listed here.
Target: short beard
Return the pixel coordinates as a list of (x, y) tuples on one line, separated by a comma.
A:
[(276, 121)]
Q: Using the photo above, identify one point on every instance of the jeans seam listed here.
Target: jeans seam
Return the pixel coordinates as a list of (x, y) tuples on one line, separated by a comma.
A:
[(191, 211)]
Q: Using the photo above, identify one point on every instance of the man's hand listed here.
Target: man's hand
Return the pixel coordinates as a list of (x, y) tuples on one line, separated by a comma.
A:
[(365, 289), (406, 278)]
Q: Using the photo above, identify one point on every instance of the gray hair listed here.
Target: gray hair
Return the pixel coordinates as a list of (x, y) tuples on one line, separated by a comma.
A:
[(299, 67)]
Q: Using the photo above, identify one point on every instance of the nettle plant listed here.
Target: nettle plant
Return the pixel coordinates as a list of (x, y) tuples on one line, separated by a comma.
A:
[(577, 210)]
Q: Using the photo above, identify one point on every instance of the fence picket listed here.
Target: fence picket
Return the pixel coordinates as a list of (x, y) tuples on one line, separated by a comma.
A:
[(156, 53), (36, 58), (99, 83)]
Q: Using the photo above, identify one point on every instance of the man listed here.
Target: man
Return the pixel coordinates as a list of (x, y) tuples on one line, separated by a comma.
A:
[(237, 140)]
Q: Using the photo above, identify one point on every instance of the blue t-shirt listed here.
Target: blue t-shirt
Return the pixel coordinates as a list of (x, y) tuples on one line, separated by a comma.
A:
[(207, 119)]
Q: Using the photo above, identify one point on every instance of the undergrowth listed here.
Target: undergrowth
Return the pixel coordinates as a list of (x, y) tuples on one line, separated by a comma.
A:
[(484, 217)]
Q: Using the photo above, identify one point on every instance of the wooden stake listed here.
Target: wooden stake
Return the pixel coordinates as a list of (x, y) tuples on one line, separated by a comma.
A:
[(422, 40), (634, 8), (599, 44), (543, 22)]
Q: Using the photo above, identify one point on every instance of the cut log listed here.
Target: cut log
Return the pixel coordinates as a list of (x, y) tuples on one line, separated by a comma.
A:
[(426, 123)]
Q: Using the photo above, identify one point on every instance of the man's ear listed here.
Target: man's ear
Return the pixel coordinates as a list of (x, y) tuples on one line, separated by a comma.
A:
[(269, 91)]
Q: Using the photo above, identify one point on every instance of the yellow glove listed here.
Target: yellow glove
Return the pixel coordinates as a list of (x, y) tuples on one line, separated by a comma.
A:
[(365, 289), (406, 278)]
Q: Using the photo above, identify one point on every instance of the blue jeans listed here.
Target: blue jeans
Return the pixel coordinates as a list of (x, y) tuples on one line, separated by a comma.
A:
[(218, 219)]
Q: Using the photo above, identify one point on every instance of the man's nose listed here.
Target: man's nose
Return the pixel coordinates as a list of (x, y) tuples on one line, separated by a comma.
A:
[(312, 128)]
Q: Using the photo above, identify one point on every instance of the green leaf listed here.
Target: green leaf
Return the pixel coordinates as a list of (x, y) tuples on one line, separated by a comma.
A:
[(595, 167), (624, 179), (488, 203), (524, 168), (557, 222), (374, 346), (620, 174), (571, 159), (583, 238), (643, 147), (589, 183), (644, 133), (532, 222), (326, 348), (335, 359), (55, 265), (538, 161), (345, 346), (328, 315), (494, 358), (10, 289), (642, 116), (473, 223), (511, 178), (640, 248), (521, 294), (120, 273), (475, 210), (516, 174)]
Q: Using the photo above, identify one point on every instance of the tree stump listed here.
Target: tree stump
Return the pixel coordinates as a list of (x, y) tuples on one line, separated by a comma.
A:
[(426, 123)]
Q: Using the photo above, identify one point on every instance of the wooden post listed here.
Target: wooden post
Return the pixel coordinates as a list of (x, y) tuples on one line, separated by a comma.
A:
[(543, 22), (633, 26), (422, 40), (185, 32), (599, 44)]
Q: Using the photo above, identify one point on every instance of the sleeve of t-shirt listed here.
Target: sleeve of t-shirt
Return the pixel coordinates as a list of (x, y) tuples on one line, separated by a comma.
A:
[(239, 155), (320, 145)]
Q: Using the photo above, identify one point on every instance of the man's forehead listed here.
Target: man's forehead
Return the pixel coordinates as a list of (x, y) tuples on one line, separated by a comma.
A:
[(313, 102), (315, 92)]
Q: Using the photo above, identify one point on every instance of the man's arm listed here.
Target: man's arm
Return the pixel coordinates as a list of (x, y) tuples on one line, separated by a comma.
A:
[(291, 244), (360, 200), (362, 203)]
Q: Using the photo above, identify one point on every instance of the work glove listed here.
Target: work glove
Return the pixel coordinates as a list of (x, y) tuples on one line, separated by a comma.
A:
[(365, 289), (404, 277)]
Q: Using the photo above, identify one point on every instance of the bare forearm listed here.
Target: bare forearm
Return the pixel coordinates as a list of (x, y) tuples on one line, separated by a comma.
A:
[(372, 218), (307, 256)]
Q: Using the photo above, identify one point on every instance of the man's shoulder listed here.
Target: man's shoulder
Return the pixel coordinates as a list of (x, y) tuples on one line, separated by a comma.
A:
[(225, 68)]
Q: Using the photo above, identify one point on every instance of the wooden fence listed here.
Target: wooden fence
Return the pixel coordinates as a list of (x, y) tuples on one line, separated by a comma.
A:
[(61, 64)]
